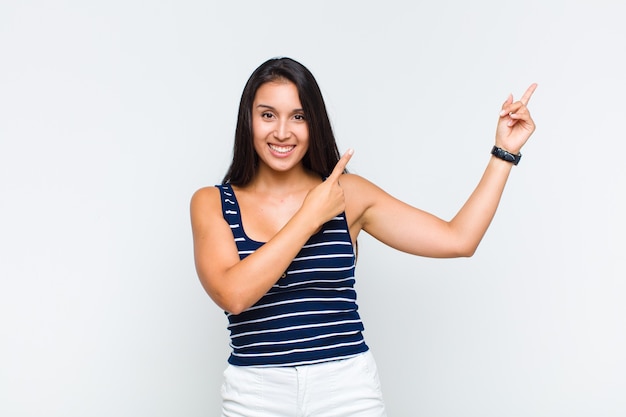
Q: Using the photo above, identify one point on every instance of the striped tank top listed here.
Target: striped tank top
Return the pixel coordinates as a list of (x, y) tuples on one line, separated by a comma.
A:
[(310, 314)]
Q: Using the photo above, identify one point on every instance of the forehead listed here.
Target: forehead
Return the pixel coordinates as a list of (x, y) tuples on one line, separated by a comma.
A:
[(275, 92)]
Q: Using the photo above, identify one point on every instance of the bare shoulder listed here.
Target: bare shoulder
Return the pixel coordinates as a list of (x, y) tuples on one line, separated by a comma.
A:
[(358, 187), (205, 195), (205, 202), (368, 203), (360, 195)]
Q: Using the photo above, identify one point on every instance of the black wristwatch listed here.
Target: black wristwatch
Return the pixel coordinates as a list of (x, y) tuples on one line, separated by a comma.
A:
[(506, 156)]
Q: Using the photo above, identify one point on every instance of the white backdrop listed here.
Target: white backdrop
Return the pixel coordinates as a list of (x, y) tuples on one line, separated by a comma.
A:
[(112, 113)]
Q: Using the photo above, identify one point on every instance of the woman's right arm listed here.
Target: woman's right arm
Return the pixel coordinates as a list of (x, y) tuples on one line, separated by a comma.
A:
[(234, 284)]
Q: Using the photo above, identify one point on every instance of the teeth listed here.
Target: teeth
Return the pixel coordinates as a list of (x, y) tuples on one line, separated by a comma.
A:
[(281, 149)]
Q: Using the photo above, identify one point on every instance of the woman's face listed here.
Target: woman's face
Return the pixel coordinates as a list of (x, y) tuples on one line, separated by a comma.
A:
[(280, 131)]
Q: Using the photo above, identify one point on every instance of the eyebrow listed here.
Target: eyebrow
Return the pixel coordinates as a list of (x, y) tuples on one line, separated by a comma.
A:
[(266, 106)]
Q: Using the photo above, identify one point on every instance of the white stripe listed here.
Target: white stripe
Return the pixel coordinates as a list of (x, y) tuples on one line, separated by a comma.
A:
[(230, 212), (301, 271), (234, 226), (338, 255), (282, 316), (335, 231), (284, 289), (248, 355), (313, 245), (286, 342), (293, 284), (303, 326), (300, 300)]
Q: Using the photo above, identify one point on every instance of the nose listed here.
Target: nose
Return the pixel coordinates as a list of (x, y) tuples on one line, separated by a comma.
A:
[(282, 131)]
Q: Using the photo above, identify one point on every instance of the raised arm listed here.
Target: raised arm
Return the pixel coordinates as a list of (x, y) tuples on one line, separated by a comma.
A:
[(235, 284), (414, 231)]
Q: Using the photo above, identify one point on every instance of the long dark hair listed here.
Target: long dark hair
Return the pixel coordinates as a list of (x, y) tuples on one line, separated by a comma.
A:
[(322, 155)]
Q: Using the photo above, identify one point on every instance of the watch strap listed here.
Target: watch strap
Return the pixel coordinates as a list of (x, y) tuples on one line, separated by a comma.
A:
[(505, 155)]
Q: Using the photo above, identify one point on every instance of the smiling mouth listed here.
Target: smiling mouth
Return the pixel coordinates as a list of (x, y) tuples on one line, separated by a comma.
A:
[(281, 149)]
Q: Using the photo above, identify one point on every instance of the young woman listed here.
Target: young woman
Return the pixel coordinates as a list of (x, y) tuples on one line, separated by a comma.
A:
[(274, 247)]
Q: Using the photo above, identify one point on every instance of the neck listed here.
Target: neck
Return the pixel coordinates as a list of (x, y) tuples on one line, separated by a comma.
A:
[(281, 182)]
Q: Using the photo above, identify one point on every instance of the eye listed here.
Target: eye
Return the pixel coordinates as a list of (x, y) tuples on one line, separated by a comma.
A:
[(266, 115), (299, 117)]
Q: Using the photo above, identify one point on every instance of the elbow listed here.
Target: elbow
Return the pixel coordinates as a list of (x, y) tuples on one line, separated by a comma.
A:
[(468, 253), (461, 243), (228, 301), (231, 303), (465, 250), (234, 307)]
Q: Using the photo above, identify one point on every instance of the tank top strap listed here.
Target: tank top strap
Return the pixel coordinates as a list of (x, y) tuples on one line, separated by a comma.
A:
[(231, 211)]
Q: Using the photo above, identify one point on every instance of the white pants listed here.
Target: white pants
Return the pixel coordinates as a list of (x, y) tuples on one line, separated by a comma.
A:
[(347, 387)]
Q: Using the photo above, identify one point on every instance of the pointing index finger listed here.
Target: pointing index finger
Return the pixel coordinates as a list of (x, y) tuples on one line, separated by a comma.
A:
[(341, 165), (529, 92)]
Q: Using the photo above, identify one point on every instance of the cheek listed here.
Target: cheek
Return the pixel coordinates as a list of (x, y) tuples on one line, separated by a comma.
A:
[(259, 133), (304, 132), (256, 129)]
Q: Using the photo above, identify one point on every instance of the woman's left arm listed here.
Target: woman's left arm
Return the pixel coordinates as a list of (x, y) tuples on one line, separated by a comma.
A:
[(415, 231)]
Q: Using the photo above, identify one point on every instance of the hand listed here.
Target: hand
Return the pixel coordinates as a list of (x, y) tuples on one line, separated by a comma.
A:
[(515, 125), (327, 200)]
